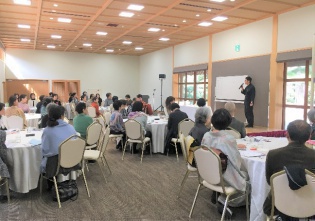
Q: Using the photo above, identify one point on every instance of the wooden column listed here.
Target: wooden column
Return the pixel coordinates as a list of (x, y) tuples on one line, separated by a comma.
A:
[(276, 82)]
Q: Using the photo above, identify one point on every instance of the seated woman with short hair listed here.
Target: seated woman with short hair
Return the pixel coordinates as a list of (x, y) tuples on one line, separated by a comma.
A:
[(82, 121), (96, 106), (13, 109), (116, 124)]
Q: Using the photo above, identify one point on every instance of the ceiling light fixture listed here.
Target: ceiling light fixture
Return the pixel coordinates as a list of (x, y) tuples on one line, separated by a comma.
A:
[(219, 18), (205, 24), (138, 48), (51, 46), (154, 29), (87, 44), (24, 26), (101, 33), (25, 40), (184, 21), (51, 18), (217, 0), (135, 7), (110, 50), (22, 2), (56, 36), (164, 39), (127, 42), (126, 14), (65, 20), (55, 5), (209, 10), (197, 15)]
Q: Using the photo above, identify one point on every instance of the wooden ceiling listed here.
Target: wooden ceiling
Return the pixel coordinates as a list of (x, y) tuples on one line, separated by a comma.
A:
[(177, 20)]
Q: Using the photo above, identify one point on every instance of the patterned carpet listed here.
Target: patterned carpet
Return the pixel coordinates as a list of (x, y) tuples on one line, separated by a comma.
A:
[(134, 191)]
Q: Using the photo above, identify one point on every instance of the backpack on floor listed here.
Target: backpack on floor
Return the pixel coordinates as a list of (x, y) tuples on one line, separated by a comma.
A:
[(67, 190)]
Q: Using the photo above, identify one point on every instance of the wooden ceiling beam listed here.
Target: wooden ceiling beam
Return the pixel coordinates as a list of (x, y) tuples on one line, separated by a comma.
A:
[(38, 14), (98, 13)]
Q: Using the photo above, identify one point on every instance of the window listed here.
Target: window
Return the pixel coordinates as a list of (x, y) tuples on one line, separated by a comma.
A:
[(297, 88), (192, 85)]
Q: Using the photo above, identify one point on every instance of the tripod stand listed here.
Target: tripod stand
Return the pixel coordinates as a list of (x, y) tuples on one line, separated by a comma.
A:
[(161, 106)]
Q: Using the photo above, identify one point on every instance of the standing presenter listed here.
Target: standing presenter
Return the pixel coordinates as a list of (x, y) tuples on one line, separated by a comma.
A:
[(249, 93)]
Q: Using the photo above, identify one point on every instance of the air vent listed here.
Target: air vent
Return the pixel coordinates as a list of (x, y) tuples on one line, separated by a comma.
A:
[(68, 14), (112, 25), (164, 25), (200, 6)]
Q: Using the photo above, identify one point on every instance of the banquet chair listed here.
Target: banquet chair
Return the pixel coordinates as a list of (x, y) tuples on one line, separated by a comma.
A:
[(91, 112), (5, 181), (213, 179), (135, 134), (100, 153), (71, 153), (107, 117), (233, 132), (15, 122), (73, 113), (183, 127), (101, 120), (185, 144), (93, 135), (4, 174), (295, 203)]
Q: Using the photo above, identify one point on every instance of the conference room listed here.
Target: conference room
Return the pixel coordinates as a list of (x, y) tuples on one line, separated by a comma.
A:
[(188, 49)]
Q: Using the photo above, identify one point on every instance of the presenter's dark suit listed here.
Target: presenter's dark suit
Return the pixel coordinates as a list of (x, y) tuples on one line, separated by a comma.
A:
[(249, 93), (293, 154)]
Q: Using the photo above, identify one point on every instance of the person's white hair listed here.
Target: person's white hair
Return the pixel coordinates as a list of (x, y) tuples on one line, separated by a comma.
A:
[(230, 107), (202, 114)]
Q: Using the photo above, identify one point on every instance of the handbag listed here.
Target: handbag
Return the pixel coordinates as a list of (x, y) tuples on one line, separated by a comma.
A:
[(67, 190)]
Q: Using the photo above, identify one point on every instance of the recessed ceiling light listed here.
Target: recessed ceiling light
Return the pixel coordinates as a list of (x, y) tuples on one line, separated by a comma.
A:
[(59, 45), (205, 24), (87, 44), (24, 26), (51, 46), (22, 2), (101, 33), (135, 7), (209, 10), (25, 40), (217, 0), (53, 10), (66, 20), (51, 18), (43, 44), (127, 42), (138, 48), (176, 25), (219, 18), (55, 5), (126, 14), (197, 15), (154, 29), (75, 46), (56, 36), (164, 39), (110, 50), (232, 0), (184, 21), (163, 30)]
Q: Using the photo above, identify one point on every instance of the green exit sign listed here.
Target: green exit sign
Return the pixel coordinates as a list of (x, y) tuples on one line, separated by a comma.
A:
[(237, 48)]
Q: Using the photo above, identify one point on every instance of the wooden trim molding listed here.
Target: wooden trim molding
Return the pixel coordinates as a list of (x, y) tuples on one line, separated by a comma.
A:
[(210, 72)]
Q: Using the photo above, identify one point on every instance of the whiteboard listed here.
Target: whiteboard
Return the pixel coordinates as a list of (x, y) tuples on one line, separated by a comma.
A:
[(227, 88)]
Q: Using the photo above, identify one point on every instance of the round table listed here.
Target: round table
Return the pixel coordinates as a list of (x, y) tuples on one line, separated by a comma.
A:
[(158, 128)]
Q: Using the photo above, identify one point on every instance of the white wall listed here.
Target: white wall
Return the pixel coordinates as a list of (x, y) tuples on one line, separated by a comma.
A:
[(296, 29), (110, 73), (151, 65), (2, 79), (192, 52), (254, 39)]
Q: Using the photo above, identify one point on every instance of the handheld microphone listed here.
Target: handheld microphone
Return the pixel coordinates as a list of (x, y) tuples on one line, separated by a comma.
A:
[(241, 86)]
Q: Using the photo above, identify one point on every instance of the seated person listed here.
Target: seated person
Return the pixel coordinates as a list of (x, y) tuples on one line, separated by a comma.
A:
[(83, 98), (108, 101), (311, 118), (46, 101), (82, 121), (13, 109), (129, 106), (100, 100), (2, 113), (111, 108), (142, 118), (146, 107), (202, 124), (39, 104), (201, 102), (95, 105), (127, 97), (116, 123), (44, 120), (55, 99), (169, 100), (32, 101), (220, 139), (23, 104), (123, 109), (294, 154), (174, 118), (235, 124), (54, 134)]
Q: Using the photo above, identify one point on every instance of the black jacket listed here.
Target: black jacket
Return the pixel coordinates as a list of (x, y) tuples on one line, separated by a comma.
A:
[(249, 93)]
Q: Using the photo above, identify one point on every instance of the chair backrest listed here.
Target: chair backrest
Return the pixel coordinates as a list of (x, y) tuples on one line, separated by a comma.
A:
[(205, 160), (185, 126), (107, 117), (182, 144), (4, 120), (295, 203), (93, 133), (15, 122), (101, 120), (188, 141), (91, 111), (233, 132), (133, 129), (71, 152), (105, 140)]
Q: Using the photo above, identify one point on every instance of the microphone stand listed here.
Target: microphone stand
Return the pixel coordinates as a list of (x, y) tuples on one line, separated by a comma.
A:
[(153, 99), (161, 106)]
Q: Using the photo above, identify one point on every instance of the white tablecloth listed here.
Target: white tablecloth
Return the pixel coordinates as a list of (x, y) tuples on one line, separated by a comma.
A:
[(24, 161), (158, 129), (32, 119), (256, 170)]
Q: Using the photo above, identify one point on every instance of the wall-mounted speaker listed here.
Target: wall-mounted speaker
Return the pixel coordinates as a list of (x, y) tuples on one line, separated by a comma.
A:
[(162, 76)]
